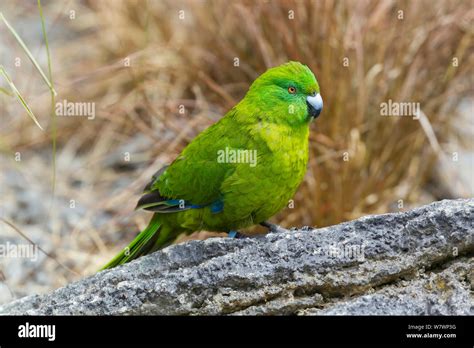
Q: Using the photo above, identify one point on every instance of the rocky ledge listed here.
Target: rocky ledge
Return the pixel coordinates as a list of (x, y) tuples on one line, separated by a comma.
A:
[(415, 262)]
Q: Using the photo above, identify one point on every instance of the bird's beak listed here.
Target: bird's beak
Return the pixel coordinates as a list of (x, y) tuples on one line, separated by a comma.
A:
[(315, 105)]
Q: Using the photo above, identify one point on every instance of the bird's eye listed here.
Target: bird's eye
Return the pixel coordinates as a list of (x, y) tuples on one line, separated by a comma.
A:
[(291, 90)]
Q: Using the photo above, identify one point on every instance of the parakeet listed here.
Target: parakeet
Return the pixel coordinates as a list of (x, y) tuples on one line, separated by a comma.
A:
[(238, 172)]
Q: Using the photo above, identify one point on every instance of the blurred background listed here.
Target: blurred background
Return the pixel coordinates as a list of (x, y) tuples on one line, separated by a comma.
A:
[(158, 72)]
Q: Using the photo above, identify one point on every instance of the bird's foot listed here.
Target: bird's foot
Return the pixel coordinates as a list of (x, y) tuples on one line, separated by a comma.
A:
[(236, 234), (273, 227)]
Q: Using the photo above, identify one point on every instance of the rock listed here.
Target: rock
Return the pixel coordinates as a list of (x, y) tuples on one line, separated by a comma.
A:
[(443, 293), (415, 262)]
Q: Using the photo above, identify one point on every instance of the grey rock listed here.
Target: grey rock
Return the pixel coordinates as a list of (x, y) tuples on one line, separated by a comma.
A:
[(440, 293), (377, 264)]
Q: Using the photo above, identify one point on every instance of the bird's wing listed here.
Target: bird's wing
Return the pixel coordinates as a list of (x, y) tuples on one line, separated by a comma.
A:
[(194, 179)]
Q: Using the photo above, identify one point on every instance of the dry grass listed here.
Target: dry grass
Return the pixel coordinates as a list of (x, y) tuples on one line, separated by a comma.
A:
[(190, 62)]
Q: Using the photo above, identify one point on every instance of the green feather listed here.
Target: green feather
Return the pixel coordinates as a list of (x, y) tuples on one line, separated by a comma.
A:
[(272, 120), (138, 246)]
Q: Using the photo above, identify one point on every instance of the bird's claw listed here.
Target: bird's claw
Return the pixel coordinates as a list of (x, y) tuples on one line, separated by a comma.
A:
[(274, 228)]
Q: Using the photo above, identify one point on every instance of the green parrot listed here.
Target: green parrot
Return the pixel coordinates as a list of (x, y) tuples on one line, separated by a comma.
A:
[(238, 172)]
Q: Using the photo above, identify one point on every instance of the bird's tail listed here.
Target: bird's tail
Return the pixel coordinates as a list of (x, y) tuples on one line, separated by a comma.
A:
[(141, 245)]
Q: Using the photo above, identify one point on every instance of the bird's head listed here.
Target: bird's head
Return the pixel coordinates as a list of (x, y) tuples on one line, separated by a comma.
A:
[(288, 93)]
